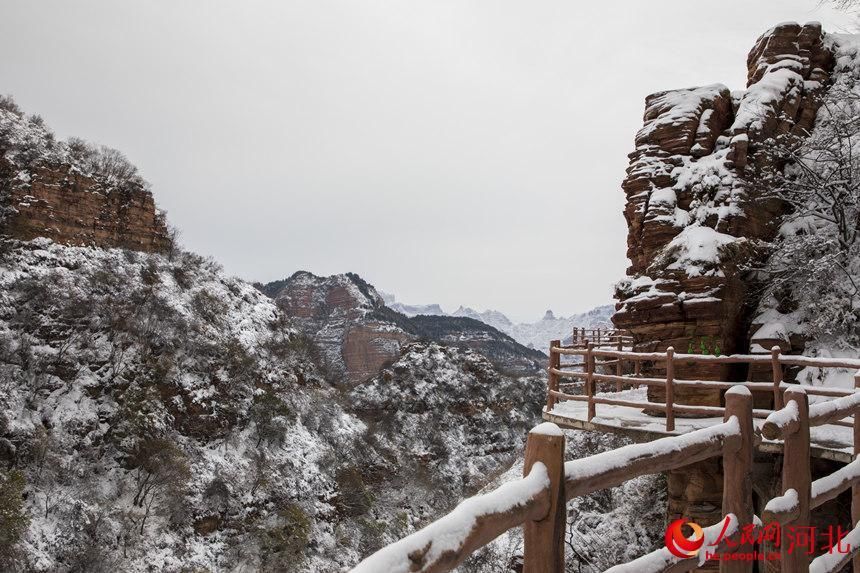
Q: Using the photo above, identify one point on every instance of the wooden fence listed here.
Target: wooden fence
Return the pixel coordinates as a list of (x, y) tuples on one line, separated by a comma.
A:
[(601, 337), (628, 366), (537, 501)]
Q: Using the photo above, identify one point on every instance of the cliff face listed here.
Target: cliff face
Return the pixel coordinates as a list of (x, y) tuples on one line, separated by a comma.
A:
[(695, 215), (72, 192), (699, 214), (340, 314), (359, 335)]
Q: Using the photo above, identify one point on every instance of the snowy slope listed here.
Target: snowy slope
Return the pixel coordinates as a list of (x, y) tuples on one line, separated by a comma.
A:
[(118, 365)]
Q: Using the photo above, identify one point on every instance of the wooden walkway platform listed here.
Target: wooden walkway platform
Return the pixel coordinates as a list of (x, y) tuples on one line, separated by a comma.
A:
[(829, 442)]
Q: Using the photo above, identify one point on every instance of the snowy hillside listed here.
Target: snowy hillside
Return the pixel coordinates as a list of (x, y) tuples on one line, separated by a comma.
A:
[(158, 413)]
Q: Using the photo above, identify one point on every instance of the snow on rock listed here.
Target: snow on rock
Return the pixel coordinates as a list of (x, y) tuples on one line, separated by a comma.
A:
[(696, 250)]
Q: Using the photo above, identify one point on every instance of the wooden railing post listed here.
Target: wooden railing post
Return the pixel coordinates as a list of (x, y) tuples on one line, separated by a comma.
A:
[(552, 379), (737, 471), (619, 370), (544, 539), (777, 377), (670, 389), (796, 475), (855, 491), (589, 379)]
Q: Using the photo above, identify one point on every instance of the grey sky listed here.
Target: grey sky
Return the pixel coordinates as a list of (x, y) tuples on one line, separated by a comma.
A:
[(458, 152)]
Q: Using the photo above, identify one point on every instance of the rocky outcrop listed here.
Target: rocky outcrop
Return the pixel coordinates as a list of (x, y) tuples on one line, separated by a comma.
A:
[(695, 214), (73, 209), (72, 192), (359, 335)]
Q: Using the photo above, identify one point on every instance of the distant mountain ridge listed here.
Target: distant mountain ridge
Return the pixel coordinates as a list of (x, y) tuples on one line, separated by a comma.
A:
[(536, 334)]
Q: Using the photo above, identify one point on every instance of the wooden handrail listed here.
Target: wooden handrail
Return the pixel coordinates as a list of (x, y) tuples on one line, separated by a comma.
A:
[(614, 467), (784, 359), (703, 384), (447, 542), (797, 476), (787, 421), (537, 501), (800, 494), (834, 412), (785, 508)]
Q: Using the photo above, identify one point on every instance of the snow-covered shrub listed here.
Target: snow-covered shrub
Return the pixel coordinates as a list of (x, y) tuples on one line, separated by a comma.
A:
[(815, 263)]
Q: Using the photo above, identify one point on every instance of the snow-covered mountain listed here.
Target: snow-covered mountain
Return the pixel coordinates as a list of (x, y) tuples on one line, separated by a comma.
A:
[(535, 335)]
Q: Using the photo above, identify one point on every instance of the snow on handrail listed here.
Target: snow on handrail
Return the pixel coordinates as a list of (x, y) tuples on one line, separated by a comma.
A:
[(836, 560), (662, 559), (612, 468), (830, 486), (781, 422), (786, 421), (833, 410), (445, 543)]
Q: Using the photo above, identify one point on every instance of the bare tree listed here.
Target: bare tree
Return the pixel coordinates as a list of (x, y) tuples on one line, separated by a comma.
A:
[(160, 476), (815, 259)]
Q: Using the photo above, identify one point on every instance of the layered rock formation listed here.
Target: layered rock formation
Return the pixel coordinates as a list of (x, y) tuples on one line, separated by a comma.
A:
[(73, 209), (695, 214), (72, 192), (359, 335)]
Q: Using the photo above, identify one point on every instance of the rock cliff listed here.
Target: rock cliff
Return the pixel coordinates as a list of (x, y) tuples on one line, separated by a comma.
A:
[(702, 219), (72, 192), (359, 335), (695, 213)]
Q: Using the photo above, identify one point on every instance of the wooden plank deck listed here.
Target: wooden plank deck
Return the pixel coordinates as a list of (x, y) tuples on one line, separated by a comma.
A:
[(828, 442)]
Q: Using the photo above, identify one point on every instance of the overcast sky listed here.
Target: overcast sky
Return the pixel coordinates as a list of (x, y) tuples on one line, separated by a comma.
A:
[(459, 152)]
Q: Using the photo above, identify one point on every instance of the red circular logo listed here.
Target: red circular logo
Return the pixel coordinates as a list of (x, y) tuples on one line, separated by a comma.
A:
[(679, 544)]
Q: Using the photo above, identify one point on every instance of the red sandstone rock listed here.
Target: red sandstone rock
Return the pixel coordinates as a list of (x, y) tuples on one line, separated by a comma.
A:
[(71, 208), (693, 167)]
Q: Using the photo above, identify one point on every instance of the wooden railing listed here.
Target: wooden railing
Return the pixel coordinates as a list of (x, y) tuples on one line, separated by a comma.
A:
[(800, 494), (628, 366), (537, 501), (601, 337)]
